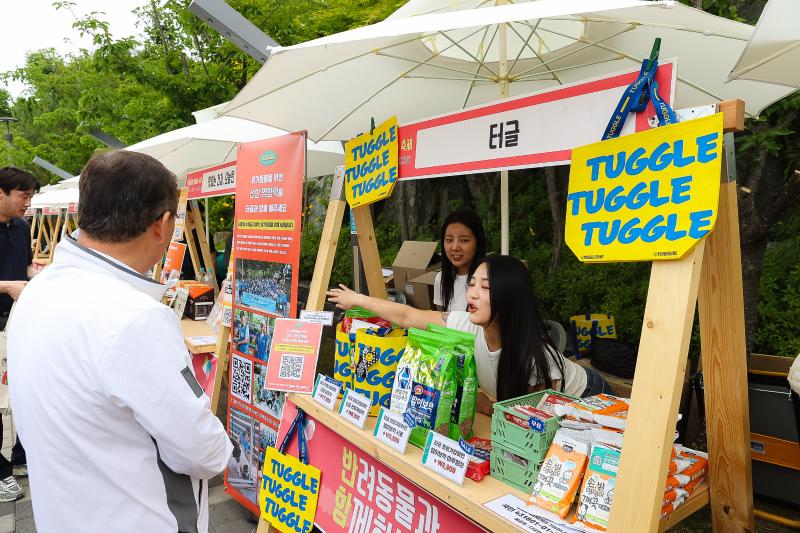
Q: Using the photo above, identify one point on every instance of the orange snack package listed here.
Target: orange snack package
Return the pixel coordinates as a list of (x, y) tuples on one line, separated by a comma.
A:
[(560, 474), (586, 408)]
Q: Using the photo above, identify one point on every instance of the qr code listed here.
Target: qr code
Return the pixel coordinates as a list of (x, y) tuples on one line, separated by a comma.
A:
[(242, 378), (291, 367)]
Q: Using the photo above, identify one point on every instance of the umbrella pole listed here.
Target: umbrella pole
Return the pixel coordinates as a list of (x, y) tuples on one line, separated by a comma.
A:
[(503, 74)]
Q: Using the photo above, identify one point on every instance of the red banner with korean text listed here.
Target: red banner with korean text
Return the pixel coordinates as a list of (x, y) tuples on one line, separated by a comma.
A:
[(359, 494), (218, 180), (266, 250)]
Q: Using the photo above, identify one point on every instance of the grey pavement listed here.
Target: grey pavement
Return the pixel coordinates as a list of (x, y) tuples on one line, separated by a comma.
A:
[(225, 514)]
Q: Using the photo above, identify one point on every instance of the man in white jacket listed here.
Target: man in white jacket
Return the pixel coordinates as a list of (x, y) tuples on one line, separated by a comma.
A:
[(118, 433)]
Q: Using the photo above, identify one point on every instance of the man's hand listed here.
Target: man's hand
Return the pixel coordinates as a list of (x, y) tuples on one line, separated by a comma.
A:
[(12, 288)]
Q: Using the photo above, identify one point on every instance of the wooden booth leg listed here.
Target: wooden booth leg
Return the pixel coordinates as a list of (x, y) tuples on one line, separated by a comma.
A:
[(369, 252), (203, 244), (222, 351), (327, 245), (724, 356), (656, 392)]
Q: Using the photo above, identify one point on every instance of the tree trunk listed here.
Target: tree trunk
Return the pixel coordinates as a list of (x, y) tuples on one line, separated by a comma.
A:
[(554, 198)]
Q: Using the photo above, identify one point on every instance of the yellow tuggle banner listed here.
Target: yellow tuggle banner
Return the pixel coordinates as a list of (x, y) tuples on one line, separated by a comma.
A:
[(370, 162), (647, 196)]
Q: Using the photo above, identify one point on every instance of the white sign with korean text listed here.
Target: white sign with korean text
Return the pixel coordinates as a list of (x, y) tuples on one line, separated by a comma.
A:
[(317, 317), (507, 134), (326, 390), (445, 457), (391, 430), (355, 408), (514, 510)]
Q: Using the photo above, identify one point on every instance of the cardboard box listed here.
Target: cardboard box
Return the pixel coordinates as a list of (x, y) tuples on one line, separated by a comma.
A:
[(419, 290), (414, 259)]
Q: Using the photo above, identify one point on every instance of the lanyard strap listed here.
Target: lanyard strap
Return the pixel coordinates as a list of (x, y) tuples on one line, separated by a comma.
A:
[(298, 425), (637, 95)]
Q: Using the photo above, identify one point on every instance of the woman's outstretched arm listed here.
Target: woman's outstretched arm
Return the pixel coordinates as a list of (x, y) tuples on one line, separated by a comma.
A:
[(404, 316)]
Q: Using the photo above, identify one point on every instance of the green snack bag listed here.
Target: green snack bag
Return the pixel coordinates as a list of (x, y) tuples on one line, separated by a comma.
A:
[(432, 387), (462, 414)]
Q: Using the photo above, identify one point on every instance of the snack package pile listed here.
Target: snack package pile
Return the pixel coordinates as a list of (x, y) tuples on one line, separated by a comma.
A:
[(561, 472), (594, 427), (481, 450), (462, 414), (425, 385), (343, 364)]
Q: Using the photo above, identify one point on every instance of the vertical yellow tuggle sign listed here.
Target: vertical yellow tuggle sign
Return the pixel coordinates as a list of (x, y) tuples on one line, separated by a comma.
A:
[(371, 165), (289, 492), (645, 197)]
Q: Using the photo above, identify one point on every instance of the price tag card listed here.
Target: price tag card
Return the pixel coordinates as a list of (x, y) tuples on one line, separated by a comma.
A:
[(392, 430), (317, 317), (445, 457), (355, 408), (326, 390)]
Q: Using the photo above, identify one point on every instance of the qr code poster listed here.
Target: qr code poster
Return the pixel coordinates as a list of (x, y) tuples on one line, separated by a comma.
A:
[(242, 378), (293, 356)]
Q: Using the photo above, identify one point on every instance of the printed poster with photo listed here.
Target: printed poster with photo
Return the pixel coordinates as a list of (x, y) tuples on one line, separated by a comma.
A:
[(266, 248)]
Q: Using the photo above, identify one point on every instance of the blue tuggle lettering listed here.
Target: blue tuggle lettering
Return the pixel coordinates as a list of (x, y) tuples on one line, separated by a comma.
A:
[(657, 228), (700, 223), (705, 145), (662, 156)]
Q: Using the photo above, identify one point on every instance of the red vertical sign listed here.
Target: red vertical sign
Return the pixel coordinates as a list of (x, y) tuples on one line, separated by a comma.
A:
[(269, 198)]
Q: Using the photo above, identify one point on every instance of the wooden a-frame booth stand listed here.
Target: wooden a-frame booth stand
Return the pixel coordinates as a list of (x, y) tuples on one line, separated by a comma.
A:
[(711, 275)]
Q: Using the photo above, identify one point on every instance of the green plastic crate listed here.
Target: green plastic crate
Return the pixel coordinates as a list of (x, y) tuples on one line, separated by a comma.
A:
[(524, 441), (506, 466)]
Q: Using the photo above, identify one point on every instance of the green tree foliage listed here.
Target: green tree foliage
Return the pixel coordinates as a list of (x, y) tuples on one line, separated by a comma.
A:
[(135, 88)]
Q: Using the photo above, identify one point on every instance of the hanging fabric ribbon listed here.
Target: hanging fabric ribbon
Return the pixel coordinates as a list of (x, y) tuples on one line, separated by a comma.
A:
[(298, 425), (638, 94)]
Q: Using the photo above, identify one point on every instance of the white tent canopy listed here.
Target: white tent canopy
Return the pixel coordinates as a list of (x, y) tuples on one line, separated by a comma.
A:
[(214, 141), (53, 196), (773, 53), (417, 66)]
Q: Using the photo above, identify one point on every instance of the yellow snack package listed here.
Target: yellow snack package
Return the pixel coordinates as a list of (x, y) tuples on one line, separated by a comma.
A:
[(560, 474)]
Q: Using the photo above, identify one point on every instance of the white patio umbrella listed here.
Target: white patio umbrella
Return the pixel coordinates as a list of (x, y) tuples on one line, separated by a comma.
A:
[(437, 56), (773, 53), (214, 141), (424, 65)]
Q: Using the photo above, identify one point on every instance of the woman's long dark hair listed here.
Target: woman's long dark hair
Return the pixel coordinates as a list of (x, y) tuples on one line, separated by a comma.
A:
[(523, 334), (471, 220)]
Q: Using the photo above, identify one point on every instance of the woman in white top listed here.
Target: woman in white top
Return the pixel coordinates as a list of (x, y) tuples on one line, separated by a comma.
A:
[(463, 244), (513, 352)]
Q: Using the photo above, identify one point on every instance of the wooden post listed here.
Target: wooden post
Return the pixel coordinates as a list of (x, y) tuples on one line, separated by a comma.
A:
[(34, 220), (327, 245), (204, 245), (369, 252), (191, 244), (724, 357), (56, 235), (650, 430), (222, 351)]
